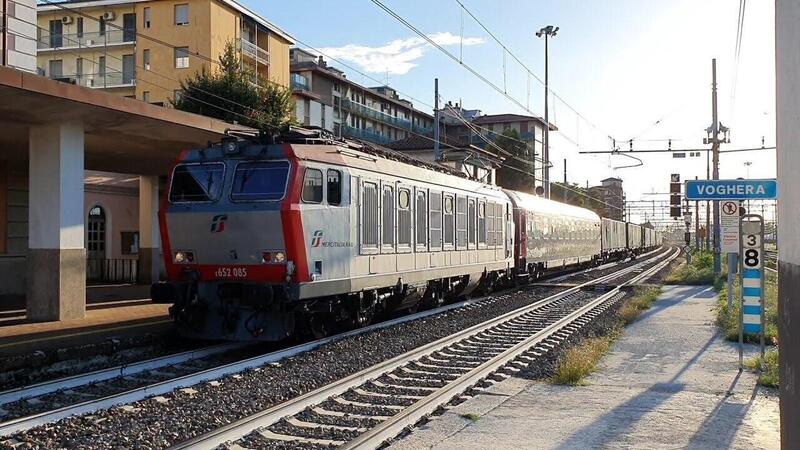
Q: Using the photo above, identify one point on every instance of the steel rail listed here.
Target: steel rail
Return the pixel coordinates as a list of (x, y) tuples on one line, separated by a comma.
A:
[(238, 429), (409, 416)]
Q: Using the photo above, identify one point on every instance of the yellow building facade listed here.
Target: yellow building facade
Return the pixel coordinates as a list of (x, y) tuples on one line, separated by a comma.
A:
[(144, 48)]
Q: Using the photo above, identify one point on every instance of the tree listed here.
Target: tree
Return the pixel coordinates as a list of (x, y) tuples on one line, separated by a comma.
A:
[(230, 94), (517, 170)]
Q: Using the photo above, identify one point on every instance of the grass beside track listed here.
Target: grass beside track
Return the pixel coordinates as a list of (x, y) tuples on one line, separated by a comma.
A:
[(769, 377), (581, 360), (700, 271)]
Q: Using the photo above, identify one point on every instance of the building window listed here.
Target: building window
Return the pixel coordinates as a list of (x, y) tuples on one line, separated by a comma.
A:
[(96, 233), (334, 187), (55, 68), (146, 59), (79, 26), (78, 67), (130, 242), (182, 14), (102, 26), (181, 57), (146, 17), (312, 186), (101, 66), (146, 96), (56, 36)]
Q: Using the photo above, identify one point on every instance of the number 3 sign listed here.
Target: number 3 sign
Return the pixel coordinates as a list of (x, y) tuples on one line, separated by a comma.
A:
[(752, 232)]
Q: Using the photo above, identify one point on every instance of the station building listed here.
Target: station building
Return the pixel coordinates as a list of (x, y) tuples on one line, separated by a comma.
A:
[(143, 48)]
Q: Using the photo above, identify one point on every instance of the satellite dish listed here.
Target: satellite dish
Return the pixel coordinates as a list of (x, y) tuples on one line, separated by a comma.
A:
[(539, 190)]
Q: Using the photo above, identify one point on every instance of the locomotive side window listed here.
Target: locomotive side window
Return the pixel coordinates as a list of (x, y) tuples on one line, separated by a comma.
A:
[(196, 183), (254, 181), (312, 186), (369, 214), (334, 187), (404, 217), (449, 222), (482, 223), (422, 215), (435, 222), (388, 217), (490, 224), (471, 219), (461, 222)]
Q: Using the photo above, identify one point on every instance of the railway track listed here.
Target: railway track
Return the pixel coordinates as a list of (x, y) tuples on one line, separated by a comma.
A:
[(44, 403), (371, 406)]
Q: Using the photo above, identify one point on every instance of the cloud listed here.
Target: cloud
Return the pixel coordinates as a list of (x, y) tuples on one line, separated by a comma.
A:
[(396, 57)]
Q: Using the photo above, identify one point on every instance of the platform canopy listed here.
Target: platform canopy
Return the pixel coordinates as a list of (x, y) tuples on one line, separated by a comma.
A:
[(121, 134)]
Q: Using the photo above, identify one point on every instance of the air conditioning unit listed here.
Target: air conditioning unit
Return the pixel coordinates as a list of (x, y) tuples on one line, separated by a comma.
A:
[(66, 20), (109, 15), (89, 42)]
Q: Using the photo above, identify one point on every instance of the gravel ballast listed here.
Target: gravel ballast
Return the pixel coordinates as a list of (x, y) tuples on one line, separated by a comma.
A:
[(187, 413)]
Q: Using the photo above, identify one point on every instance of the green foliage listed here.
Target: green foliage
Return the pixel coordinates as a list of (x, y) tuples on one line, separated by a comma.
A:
[(700, 271), (517, 172), (728, 318), (570, 193), (641, 301), (770, 376), (236, 95)]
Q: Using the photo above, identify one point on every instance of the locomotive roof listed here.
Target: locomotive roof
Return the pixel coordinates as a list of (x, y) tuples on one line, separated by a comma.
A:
[(543, 205)]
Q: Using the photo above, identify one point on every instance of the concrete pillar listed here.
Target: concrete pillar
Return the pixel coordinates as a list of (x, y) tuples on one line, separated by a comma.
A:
[(149, 241), (56, 253), (787, 35)]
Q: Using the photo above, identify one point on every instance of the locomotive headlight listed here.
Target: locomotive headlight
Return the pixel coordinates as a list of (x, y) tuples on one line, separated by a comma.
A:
[(273, 257), (183, 257)]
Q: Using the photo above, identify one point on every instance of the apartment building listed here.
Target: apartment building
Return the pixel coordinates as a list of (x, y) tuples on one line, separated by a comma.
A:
[(144, 48), (325, 98), (18, 34), (608, 198)]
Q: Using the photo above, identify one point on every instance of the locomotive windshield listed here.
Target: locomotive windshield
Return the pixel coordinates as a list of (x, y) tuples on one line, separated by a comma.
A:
[(264, 180), (196, 183)]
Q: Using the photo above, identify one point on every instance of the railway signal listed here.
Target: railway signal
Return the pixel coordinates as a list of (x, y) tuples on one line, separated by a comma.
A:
[(675, 195)]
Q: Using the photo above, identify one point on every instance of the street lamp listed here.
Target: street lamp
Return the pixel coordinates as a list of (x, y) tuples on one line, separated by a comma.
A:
[(547, 32), (748, 164)]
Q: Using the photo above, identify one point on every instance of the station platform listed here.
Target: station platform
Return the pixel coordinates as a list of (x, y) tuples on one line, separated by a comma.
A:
[(670, 382), (105, 320)]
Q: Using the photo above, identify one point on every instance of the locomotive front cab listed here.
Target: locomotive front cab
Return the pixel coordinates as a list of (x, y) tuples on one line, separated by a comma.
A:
[(229, 264)]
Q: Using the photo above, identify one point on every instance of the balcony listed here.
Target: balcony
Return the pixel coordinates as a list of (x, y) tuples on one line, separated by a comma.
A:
[(99, 81), (53, 42), (254, 52), (419, 129), (361, 110), (364, 134), (299, 82)]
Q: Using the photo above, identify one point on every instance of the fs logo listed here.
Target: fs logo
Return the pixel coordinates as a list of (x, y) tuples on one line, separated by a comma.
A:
[(316, 241), (218, 223)]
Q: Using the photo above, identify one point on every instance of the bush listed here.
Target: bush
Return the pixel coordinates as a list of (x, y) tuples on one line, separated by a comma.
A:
[(700, 271), (581, 360), (770, 376), (728, 318)]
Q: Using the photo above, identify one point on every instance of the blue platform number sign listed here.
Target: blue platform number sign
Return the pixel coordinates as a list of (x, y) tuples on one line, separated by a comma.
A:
[(752, 266)]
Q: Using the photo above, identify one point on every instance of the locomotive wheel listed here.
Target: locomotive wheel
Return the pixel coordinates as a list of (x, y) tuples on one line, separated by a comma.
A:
[(319, 325)]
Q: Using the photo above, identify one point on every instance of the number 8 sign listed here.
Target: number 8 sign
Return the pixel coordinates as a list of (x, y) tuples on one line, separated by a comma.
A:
[(752, 276)]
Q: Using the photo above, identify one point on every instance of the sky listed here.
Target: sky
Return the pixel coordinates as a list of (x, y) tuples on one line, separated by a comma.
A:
[(622, 69)]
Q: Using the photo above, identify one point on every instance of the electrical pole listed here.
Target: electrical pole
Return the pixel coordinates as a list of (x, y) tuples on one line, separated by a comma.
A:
[(437, 150), (546, 32), (565, 180), (715, 152)]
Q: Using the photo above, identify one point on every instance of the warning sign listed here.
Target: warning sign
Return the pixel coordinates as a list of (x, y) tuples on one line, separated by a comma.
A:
[(729, 226)]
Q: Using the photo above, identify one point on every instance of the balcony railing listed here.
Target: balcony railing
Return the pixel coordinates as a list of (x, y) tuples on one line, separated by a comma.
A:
[(365, 111), (253, 51), (99, 81), (364, 134), (422, 129), (299, 82), (49, 41)]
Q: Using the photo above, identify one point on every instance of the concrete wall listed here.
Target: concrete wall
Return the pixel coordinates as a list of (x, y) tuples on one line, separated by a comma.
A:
[(122, 214), (21, 36), (787, 35)]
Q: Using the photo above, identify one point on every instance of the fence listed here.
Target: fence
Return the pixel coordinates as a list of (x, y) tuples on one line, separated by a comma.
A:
[(112, 270)]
